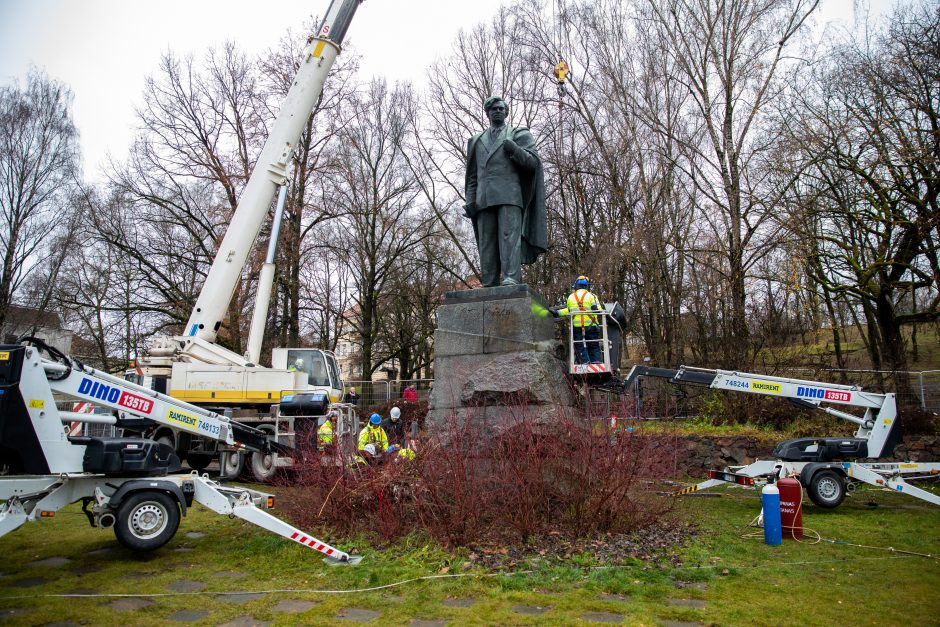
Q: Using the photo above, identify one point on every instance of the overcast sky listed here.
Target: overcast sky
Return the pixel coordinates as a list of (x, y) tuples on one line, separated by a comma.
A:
[(103, 49)]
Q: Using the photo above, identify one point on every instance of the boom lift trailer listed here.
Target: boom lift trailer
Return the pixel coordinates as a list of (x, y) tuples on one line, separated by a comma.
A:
[(827, 467), (125, 483)]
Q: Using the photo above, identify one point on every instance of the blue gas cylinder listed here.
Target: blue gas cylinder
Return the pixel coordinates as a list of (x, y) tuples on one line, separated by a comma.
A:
[(770, 500)]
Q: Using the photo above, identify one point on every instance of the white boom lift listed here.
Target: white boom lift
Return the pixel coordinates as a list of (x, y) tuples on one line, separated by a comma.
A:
[(125, 483), (826, 467)]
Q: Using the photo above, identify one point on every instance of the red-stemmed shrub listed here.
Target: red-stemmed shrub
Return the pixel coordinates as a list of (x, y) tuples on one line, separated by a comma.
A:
[(476, 480)]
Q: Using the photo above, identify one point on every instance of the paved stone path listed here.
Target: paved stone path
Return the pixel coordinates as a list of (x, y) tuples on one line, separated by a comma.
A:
[(602, 617), (50, 561), (701, 586), (130, 604), (357, 615), (530, 609), (452, 602), (29, 582), (294, 606), (619, 598), (230, 574), (188, 616), (246, 621), (240, 599), (187, 585)]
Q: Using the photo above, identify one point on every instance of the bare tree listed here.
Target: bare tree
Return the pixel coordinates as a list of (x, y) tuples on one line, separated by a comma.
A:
[(380, 222), (727, 53), (870, 128), (38, 167)]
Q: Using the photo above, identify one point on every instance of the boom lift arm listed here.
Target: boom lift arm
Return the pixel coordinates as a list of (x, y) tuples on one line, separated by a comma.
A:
[(876, 427)]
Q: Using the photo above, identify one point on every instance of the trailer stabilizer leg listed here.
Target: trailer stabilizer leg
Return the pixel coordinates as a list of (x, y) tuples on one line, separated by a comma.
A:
[(240, 502), (890, 480), (704, 485), (247, 511)]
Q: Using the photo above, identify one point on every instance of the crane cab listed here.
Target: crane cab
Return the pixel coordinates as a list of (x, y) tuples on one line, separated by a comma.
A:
[(319, 366)]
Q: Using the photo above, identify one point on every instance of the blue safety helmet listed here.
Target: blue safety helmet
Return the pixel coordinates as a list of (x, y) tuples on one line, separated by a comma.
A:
[(375, 419), (582, 281)]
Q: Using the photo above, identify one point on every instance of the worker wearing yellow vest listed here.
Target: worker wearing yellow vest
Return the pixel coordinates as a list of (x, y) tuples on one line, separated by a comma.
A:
[(587, 333), (372, 438), (325, 434)]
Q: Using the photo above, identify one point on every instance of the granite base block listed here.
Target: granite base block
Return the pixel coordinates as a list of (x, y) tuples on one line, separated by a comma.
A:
[(518, 378)]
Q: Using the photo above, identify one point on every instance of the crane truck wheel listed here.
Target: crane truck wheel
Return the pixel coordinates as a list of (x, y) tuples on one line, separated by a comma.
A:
[(263, 466), (827, 488), (147, 520), (231, 464)]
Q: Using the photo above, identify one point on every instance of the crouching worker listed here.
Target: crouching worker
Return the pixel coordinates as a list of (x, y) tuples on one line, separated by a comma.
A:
[(326, 435), (372, 439)]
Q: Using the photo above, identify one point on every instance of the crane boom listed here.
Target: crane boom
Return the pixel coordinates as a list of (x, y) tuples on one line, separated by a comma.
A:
[(269, 172)]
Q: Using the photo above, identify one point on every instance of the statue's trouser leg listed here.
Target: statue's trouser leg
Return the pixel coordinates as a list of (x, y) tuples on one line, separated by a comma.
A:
[(510, 241), (487, 233)]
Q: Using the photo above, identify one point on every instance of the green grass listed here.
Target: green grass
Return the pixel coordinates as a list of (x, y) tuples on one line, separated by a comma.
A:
[(747, 582)]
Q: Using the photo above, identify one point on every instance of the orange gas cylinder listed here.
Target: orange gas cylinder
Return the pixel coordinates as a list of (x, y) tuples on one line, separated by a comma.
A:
[(791, 507)]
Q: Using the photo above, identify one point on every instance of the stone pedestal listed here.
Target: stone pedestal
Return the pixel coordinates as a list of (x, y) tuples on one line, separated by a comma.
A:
[(494, 355)]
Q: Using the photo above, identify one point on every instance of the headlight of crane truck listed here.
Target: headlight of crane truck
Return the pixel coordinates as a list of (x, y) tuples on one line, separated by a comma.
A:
[(192, 367)]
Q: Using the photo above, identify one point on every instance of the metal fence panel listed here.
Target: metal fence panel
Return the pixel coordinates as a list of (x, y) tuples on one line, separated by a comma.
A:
[(371, 392), (422, 387), (928, 384)]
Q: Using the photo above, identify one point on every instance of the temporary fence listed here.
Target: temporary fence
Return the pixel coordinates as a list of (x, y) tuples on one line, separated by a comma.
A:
[(379, 392), (371, 392)]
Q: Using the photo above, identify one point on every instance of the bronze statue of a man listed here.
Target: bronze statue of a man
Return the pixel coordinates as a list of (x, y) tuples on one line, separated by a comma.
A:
[(505, 197)]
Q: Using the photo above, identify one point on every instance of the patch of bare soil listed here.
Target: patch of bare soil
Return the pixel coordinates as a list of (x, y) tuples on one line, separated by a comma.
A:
[(659, 543)]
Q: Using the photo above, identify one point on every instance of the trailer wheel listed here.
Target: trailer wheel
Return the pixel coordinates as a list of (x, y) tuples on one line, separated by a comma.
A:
[(147, 520), (827, 488)]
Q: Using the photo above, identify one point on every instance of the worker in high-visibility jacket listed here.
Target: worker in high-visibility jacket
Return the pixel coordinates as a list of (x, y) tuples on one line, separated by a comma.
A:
[(325, 434), (373, 434), (586, 326)]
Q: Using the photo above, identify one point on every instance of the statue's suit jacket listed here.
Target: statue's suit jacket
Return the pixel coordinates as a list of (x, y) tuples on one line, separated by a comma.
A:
[(494, 178)]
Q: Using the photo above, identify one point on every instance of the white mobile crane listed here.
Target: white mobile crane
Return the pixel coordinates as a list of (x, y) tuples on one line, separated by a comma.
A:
[(192, 367), (826, 467), (128, 484)]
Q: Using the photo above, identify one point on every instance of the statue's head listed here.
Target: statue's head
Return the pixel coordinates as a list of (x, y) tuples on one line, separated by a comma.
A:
[(496, 109)]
